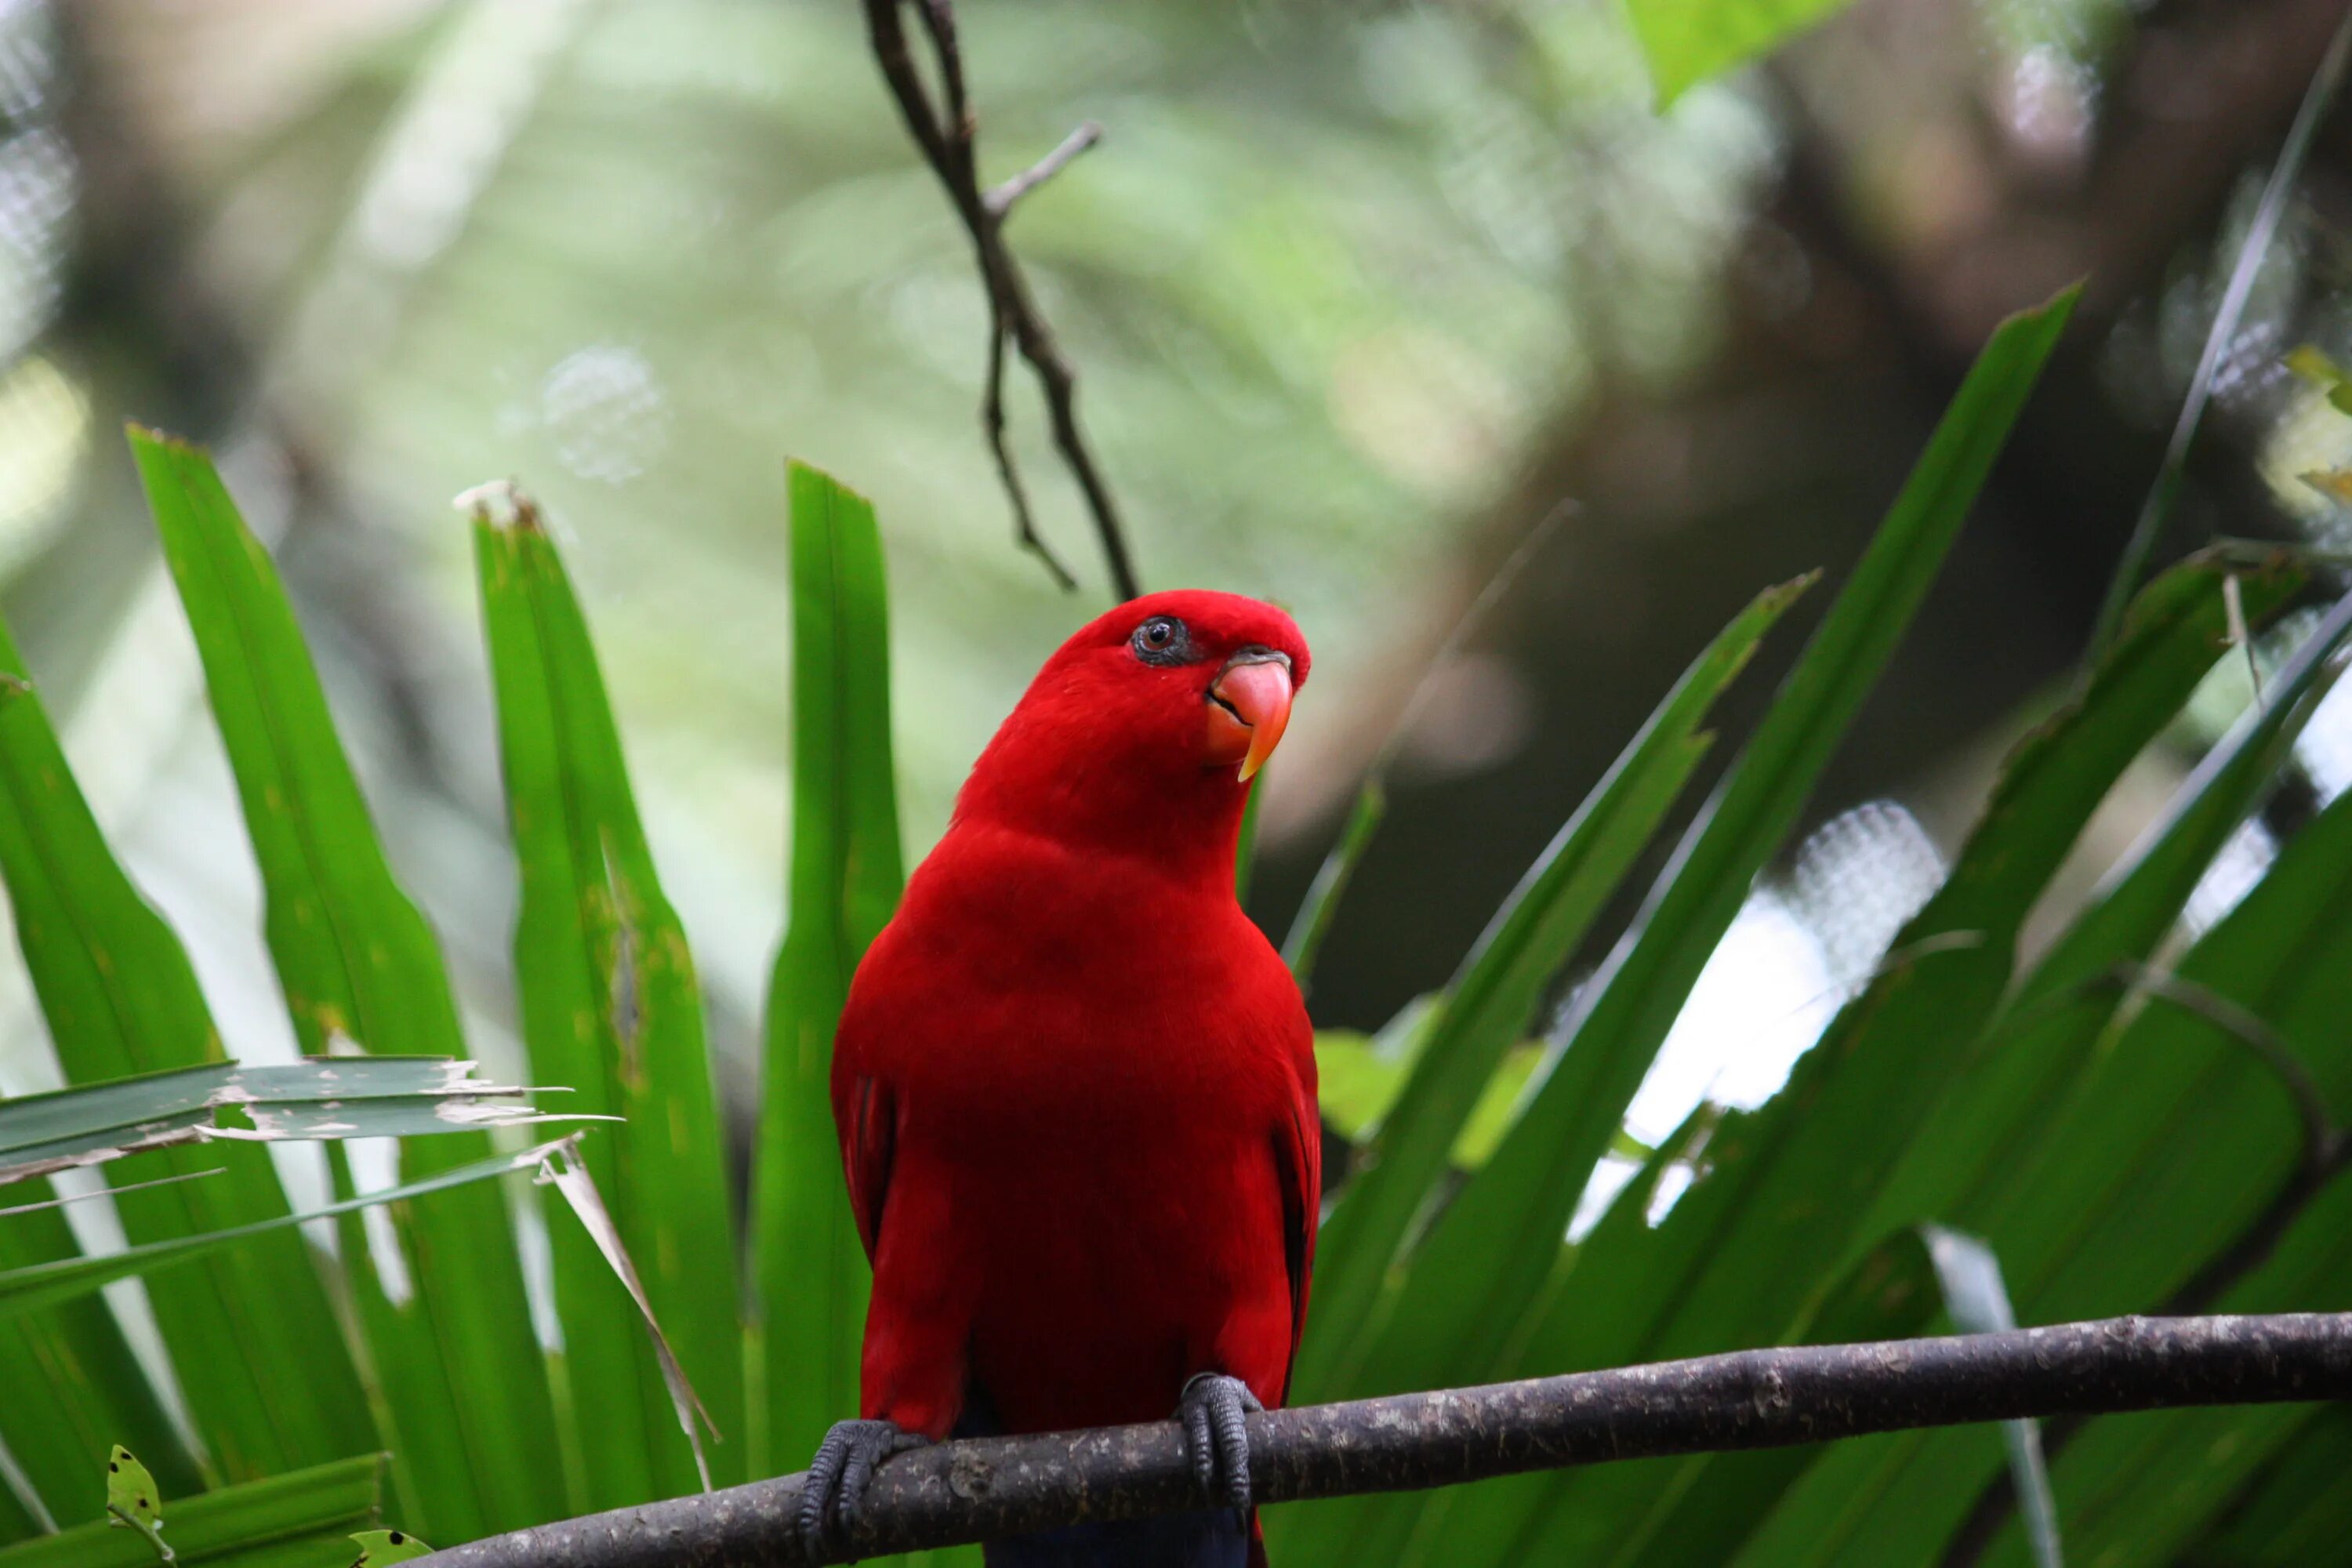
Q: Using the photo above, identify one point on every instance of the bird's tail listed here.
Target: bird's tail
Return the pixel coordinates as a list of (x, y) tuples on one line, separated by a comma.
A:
[(1213, 1538)]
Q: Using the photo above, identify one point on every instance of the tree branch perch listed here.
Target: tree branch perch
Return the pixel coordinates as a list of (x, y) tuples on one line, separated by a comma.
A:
[(987, 1488)]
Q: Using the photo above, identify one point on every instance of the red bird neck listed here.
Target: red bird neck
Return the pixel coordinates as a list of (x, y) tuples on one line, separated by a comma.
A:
[(1184, 820)]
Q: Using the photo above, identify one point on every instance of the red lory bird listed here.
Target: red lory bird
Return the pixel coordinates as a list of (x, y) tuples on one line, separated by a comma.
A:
[(1074, 1088)]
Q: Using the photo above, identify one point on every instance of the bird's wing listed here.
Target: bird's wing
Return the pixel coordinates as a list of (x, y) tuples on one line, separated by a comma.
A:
[(1298, 1170), (867, 1116)]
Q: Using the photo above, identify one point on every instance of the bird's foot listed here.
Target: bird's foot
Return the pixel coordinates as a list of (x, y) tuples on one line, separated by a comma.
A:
[(844, 1467), (1215, 1439)]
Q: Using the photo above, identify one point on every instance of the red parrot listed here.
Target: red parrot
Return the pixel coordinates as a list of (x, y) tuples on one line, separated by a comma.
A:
[(1074, 1088)]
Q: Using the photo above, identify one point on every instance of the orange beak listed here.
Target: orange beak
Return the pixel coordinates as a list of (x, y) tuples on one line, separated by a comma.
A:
[(1249, 705)]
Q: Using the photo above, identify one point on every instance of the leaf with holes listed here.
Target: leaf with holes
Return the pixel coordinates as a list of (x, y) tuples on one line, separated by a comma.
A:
[(382, 1548)]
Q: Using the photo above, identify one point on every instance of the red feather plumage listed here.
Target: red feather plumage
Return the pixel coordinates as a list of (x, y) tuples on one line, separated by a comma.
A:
[(1073, 1083)]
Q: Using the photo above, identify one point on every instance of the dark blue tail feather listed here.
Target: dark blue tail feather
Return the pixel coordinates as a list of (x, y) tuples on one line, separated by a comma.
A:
[(1213, 1538)]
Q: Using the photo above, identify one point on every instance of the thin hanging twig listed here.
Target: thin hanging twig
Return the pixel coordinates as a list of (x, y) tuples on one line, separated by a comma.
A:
[(946, 137)]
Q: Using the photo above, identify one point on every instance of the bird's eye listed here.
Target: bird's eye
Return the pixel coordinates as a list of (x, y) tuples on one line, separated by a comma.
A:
[(1162, 639)]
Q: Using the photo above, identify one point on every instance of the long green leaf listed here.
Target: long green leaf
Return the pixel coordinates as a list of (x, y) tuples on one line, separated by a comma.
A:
[(1497, 1244), (1507, 1223), (268, 1381), (610, 1002), (447, 1323), (2161, 1147), (1484, 1011), (298, 1518), (845, 880), (2056, 1018), (1851, 1138), (1793, 1210)]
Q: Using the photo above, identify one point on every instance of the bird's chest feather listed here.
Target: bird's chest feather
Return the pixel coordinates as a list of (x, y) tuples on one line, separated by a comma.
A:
[(1100, 1024)]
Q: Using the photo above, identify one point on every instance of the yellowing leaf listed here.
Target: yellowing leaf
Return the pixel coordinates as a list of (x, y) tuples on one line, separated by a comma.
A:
[(2336, 484), (2313, 363), (2317, 367)]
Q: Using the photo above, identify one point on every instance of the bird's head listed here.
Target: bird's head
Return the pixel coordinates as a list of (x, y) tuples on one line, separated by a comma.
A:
[(1144, 730)]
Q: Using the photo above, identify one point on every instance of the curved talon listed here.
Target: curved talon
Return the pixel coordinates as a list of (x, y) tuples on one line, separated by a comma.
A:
[(1216, 1439), (835, 1491)]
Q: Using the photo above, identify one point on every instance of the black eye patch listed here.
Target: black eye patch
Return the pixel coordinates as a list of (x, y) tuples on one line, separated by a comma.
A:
[(1162, 640)]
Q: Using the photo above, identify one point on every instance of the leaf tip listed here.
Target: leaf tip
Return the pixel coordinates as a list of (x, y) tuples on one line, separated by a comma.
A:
[(500, 504), (2055, 310), (149, 436), (799, 472)]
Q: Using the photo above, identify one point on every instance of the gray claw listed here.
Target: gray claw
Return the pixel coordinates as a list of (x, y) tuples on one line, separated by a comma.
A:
[(835, 1491), (1216, 1439)]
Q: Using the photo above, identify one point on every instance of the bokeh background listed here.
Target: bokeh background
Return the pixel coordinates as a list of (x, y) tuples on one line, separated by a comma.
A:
[(1359, 294)]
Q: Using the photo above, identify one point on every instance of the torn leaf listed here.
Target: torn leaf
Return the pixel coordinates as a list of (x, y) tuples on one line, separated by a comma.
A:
[(561, 1167), (317, 1098)]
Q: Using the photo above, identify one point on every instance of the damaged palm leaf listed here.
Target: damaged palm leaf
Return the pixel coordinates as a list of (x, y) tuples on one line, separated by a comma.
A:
[(845, 880), (356, 1096), (439, 1290), (268, 1381), (39, 1285), (610, 1002), (563, 1171)]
